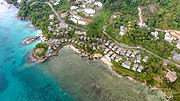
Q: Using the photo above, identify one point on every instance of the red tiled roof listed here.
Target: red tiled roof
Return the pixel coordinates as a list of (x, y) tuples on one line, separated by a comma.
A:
[(171, 76)]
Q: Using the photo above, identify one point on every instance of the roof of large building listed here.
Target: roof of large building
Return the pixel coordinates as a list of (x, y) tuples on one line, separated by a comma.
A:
[(176, 57)]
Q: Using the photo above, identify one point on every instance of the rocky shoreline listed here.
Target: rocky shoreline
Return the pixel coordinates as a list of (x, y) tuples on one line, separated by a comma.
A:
[(33, 58), (24, 18), (29, 40)]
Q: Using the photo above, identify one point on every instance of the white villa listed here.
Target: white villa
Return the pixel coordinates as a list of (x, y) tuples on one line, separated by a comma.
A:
[(155, 34), (126, 64), (51, 17), (99, 4), (140, 68), (89, 11), (168, 37)]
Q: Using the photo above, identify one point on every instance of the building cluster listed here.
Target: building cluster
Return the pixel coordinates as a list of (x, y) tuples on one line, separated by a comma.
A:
[(80, 20), (56, 28), (85, 7), (173, 35), (131, 59)]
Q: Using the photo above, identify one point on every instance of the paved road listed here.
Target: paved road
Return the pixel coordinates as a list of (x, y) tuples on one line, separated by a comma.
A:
[(61, 20), (139, 47)]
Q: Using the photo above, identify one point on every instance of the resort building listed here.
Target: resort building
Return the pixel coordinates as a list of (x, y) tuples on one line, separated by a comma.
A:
[(106, 50), (134, 53), (113, 56), (145, 59), (114, 48), (140, 68), (111, 45), (118, 58), (126, 64), (89, 11), (118, 50), (51, 17), (99, 4), (168, 37), (63, 15), (176, 57), (123, 51), (155, 34), (138, 59), (135, 66), (171, 76), (110, 53), (107, 43), (73, 8), (128, 53)]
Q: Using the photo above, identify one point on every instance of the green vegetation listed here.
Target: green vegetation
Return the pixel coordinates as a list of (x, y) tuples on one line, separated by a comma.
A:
[(41, 49), (162, 14), (175, 86), (37, 11), (62, 6), (141, 36), (165, 17), (40, 45), (96, 27)]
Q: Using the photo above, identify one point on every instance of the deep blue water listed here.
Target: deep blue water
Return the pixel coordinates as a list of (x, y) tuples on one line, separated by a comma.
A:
[(20, 81)]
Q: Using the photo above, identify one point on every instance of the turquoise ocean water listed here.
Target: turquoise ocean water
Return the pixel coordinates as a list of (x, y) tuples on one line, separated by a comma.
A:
[(18, 82)]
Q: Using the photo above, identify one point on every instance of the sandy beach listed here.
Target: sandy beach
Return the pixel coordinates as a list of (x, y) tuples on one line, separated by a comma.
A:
[(73, 48), (104, 59)]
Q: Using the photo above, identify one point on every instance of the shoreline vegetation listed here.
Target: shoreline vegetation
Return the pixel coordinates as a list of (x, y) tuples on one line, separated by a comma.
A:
[(153, 77)]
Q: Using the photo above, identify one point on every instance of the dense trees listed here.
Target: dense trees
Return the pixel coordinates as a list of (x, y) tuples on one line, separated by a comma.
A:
[(155, 15), (95, 28), (167, 15), (37, 11)]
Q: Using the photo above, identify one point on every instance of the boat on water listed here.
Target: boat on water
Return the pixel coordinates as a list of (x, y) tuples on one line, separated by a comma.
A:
[(29, 40)]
